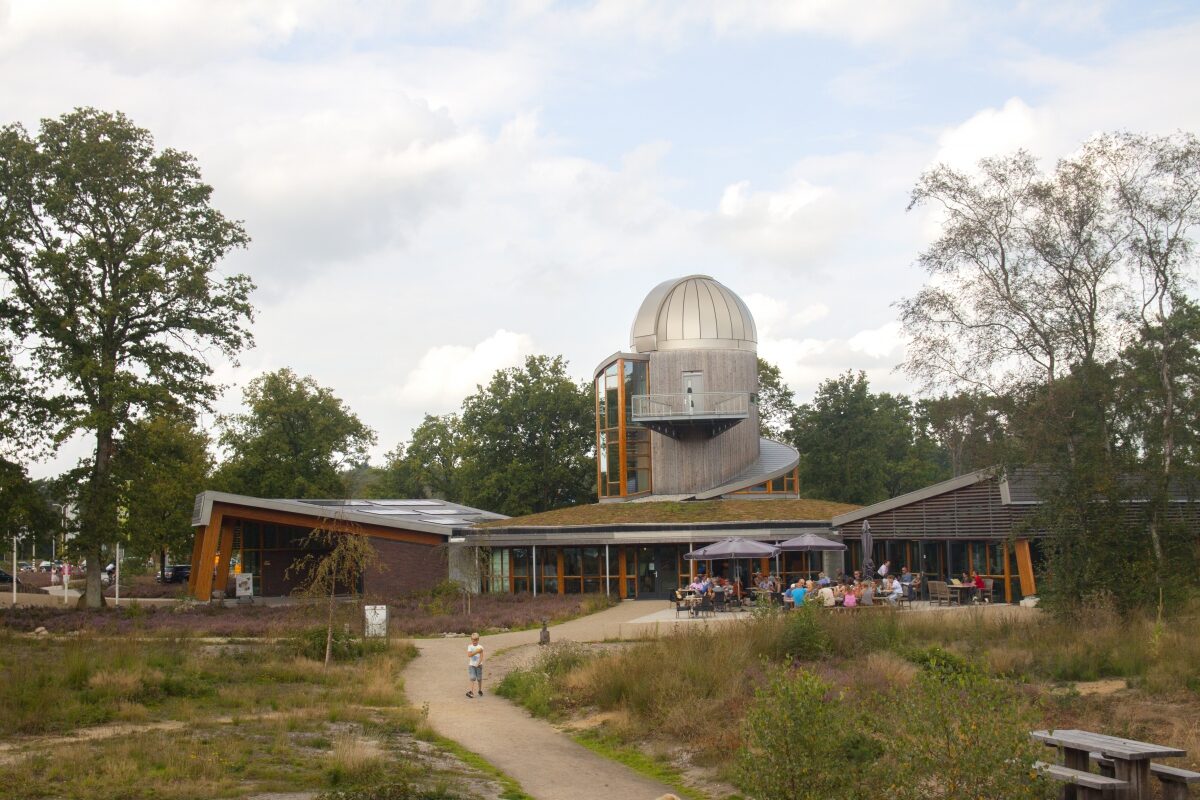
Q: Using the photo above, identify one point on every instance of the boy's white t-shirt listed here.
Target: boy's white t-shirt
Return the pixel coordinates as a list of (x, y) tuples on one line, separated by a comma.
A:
[(474, 654)]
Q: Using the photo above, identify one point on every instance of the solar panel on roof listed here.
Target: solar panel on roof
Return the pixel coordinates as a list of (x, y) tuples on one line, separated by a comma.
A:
[(445, 521), (441, 511), (389, 512), (407, 503)]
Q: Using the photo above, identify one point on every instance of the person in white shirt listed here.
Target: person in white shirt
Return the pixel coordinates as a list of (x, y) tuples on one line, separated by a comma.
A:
[(894, 591), (826, 597), (884, 569), (475, 666)]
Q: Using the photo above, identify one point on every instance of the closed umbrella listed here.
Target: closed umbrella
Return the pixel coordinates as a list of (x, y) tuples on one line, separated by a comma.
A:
[(868, 564)]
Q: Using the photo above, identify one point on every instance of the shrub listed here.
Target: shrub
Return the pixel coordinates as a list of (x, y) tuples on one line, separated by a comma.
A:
[(536, 687), (803, 636), (971, 739), (800, 745), (345, 647)]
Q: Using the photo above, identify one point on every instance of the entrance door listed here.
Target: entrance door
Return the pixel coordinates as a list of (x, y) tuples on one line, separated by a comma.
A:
[(693, 387), (658, 571)]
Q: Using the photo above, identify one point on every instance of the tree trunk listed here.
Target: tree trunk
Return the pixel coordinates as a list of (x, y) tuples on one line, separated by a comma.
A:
[(162, 564), (100, 515)]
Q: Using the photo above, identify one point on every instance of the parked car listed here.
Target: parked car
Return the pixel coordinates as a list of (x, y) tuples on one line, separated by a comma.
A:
[(24, 566), (6, 582), (176, 573)]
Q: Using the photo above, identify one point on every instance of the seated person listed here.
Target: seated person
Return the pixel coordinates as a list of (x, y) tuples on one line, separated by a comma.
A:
[(906, 578), (822, 579), (850, 599), (858, 576), (798, 592), (868, 593), (826, 597), (895, 590), (698, 585), (772, 583), (977, 580)]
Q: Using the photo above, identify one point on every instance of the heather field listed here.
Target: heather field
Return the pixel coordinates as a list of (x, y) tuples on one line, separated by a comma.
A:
[(440, 612)]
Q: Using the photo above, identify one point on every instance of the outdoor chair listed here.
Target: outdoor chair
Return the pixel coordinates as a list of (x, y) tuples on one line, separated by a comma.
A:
[(720, 603), (679, 604), (939, 593), (988, 587), (706, 606)]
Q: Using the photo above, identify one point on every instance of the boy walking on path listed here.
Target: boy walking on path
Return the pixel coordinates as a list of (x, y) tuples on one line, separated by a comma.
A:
[(474, 666)]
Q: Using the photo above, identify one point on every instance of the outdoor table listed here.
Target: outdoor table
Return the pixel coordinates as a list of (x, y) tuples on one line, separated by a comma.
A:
[(960, 589), (1131, 759)]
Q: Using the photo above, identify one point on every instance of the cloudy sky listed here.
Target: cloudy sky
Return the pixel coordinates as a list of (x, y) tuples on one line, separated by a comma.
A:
[(436, 190)]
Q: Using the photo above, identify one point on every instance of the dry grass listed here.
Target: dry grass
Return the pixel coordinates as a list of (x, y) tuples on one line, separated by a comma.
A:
[(693, 688)]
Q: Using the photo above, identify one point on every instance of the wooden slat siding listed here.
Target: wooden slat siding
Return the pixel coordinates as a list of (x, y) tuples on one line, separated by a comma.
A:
[(684, 467), (972, 512)]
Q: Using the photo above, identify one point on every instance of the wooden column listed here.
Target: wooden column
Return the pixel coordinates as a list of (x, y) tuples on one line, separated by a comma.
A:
[(203, 568), (1025, 568), (225, 552), (562, 589)]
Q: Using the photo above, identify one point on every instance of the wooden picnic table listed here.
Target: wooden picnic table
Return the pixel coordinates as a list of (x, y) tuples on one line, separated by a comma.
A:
[(1130, 758)]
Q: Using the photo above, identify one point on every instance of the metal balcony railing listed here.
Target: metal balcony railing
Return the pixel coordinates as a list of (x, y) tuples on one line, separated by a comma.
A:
[(690, 406)]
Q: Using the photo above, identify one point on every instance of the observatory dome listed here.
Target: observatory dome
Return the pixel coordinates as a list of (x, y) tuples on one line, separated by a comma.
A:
[(693, 313)]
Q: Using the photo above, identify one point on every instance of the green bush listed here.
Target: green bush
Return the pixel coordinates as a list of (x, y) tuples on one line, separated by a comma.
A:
[(966, 737), (534, 687), (803, 635), (802, 741), (345, 646), (943, 663)]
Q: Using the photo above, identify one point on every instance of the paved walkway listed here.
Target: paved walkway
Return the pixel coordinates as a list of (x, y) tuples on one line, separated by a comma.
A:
[(548, 764)]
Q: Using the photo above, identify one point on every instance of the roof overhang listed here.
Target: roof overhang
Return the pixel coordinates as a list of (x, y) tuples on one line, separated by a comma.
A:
[(308, 513), (634, 534)]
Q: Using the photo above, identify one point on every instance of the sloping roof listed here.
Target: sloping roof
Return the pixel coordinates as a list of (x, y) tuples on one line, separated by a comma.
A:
[(684, 513), (912, 497), (775, 460), (428, 516)]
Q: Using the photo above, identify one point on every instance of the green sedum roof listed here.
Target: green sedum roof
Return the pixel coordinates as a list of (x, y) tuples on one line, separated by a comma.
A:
[(666, 512)]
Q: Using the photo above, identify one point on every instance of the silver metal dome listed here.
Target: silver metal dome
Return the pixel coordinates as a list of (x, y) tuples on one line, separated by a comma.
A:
[(693, 313)]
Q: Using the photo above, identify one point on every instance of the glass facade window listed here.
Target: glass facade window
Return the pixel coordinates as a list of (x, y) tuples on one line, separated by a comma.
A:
[(622, 447), (785, 484)]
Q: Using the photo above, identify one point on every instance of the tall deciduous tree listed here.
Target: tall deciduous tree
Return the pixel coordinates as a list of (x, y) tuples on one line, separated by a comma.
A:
[(526, 440), (109, 248), (162, 463), (860, 447), (435, 456), (293, 440), (776, 402)]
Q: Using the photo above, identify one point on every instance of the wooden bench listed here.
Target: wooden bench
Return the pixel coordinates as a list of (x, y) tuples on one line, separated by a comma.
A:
[(1174, 781), (1088, 785)]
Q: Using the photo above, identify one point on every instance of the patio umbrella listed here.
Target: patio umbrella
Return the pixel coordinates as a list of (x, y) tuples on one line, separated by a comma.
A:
[(732, 548), (868, 563), (808, 543)]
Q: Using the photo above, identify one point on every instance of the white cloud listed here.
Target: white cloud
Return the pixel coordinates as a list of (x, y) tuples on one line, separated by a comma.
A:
[(989, 132), (448, 373)]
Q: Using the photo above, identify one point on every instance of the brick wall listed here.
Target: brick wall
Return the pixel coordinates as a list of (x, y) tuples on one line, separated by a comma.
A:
[(404, 567)]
